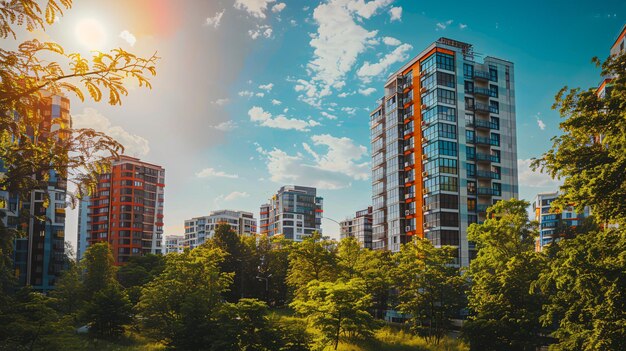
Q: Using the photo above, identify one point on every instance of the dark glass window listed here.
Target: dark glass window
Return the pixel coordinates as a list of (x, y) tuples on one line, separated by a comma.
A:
[(471, 152), (469, 87), (493, 73), (445, 61), (468, 71), (494, 107), (446, 96), (471, 170), (440, 130), (443, 113), (493, 90)]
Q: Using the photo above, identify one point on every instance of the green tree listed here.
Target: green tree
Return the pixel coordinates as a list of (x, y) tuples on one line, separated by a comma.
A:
[(504, 312), (137, 272), (179, 306), (372, 266), (311, 259), (430, 288), (337, 309), (30, 323), (590, 155), (585, 284), (108, 312), (99, 268), (236, 260), (69, 292)]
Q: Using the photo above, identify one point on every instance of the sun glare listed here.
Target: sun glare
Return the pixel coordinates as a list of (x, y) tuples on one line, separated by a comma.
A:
[(90, 33)]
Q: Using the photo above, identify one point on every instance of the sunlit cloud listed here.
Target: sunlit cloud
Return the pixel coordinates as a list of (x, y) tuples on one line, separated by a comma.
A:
[(215, 20), (213, 173), (128, 37)]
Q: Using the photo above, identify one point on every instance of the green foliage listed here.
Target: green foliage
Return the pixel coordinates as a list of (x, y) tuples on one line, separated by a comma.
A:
[(69, 292), (99, 268), (586, 287), (504, 312), (178, 306), (312, 259), (30, 323), (236, 259), (430, 288), (590, 155), (336, 309), (108, 312)]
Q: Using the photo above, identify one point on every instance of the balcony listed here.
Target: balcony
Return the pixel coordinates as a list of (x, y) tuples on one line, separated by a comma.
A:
[(485, 141), (482, 207), (484, 75), (479, 123), (408, 131), (486, 158), (487, 174), (489, 191), (485, 92), (409, 196)]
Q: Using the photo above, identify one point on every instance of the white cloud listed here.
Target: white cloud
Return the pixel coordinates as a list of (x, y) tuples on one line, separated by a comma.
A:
[(264, 118), (266, 87), (443, 25), (293, 22), (334, 167), (220, 102), (215, 20), (134, 144), (345, 94), (213, 173), (540, 122), (246, 93), (391, 41), (349, 110), (529, 178), (225, 126), (369, 70), (328, 115), (462, 26), (128, 37), (338, 42), (255, 8), (279, 7), (367, 91), (259, 94), (395, 13), (260, 31), (276, 102)]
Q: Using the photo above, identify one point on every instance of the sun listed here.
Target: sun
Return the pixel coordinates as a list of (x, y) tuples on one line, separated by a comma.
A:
[(90, 33)]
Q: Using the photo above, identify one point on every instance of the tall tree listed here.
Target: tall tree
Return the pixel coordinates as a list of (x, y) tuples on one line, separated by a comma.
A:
[(312, 259), (99, 268), (504, 312), (590, 155), (336, 309), (179, 306), (69, 292), (430, 287), (237, 260), (585, 283), (108, 312)]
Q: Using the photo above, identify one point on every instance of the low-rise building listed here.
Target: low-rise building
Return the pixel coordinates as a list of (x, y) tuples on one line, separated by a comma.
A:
[(294, 211), (551, 222), (174, 243), (200, 229)]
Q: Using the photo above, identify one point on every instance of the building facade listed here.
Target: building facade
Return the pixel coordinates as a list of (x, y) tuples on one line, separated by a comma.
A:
[(174, 243), (294, 211), (444, 147), (84, 222), (200, 229), (359, 227), (618, 47), (551, 223), (126, 209), (39, 255)]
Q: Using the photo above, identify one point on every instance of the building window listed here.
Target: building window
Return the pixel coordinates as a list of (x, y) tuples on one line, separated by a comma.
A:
[(493, 73), (469, 87), (443, 113), (494, 107), (468, 71), (493, 90), (471, 170), (445, 61)]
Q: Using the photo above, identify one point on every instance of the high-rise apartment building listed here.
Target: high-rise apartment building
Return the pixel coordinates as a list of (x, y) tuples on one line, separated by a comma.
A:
[(84, 222), (294, 211), (619, 46), (38, 256), (200, 229), (551, 222), (444, 147), (126, 209), (174, 243), (359, 227)]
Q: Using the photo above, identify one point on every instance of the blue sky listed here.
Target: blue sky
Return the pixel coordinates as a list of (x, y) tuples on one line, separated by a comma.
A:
[(254, 94)]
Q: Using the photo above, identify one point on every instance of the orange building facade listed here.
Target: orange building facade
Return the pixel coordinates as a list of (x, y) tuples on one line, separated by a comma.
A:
[(126, 210)]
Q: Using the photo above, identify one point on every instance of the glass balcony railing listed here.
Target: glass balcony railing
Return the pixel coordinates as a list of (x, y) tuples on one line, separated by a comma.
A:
[(486, 157), (482, 207), (481, 74), (479, 123), (484, 141), (489, 191), (485, 92), (487, 174)]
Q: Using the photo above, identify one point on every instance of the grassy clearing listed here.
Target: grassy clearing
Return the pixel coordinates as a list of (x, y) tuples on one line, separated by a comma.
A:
[(129, 342)]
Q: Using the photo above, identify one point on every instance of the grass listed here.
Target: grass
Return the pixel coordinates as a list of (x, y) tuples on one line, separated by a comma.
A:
[(128, 342), (389, 338)]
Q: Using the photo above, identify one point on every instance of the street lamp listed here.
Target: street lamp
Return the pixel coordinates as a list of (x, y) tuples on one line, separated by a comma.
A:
[(340, 226)]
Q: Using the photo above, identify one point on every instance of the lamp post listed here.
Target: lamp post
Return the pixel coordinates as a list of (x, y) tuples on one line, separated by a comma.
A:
[(340, 227)]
